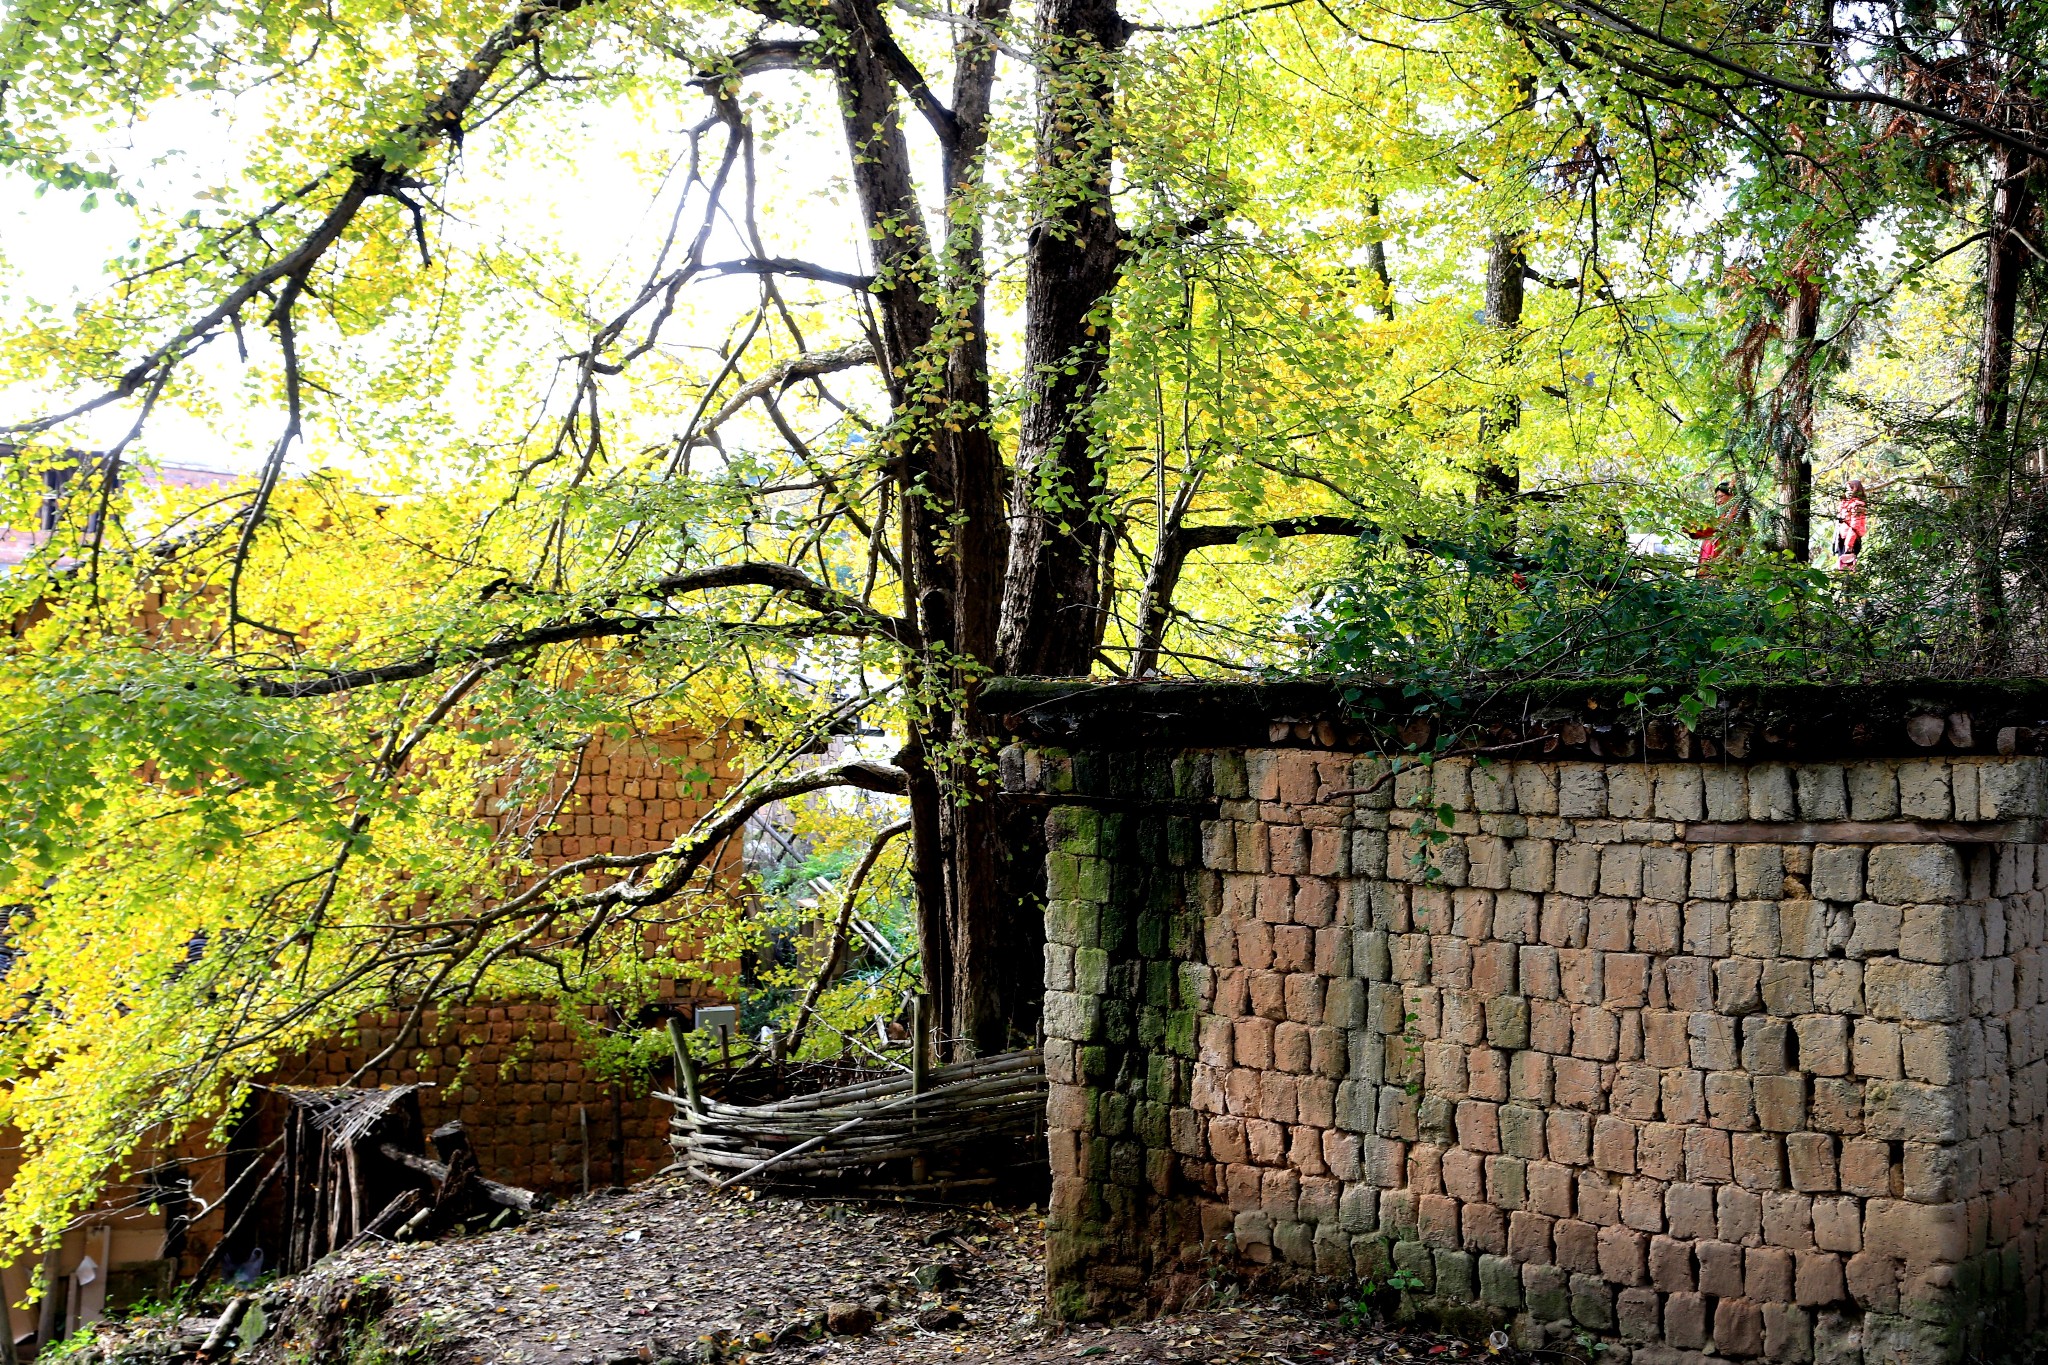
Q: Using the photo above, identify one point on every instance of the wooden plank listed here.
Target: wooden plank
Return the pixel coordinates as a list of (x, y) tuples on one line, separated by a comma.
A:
[(1859, 832)]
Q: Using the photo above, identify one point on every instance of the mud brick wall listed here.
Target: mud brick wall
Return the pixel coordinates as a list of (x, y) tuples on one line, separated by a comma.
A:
[(515, 1074), (514, 1071), (1693, 1057)]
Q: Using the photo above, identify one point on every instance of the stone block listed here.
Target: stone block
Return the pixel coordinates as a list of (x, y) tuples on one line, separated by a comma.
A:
[(1535, 788), (1838, 987), (1940, 933), (1546, 1293), (1771, 794), (1507, 1021), (1810, 1161), (1358, 1209), (1913, 1111), (1873, 791), (1823, 793), (1780, 1102), (1721, 1268), (1454, 1275), (1788, 1333), (1685, 1325), (1738, 1328), (1636, 1315), (1500, 1282), (1929, 992), (1759, 871), (1679, 793), (1622, 1255), (1592, 1303), (2010, 789), (1416, 1263), (1726, 791), (1917, 1235), (1924, 790), (1818, 1280), (1712, 875), (1295, 1242), (1873, 1281), (1582, 790), (1631, 792), (1767, 1274), (1803, 928), (1837, 873), (1905, 874)]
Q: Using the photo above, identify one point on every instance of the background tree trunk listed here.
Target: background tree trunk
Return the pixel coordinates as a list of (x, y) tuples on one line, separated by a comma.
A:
[(1792, 434), (1507, 268), (2006, 256)]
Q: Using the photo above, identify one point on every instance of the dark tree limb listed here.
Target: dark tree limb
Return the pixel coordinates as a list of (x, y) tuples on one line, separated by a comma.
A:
[(837, 607), (1752, 76), (1155, 607)]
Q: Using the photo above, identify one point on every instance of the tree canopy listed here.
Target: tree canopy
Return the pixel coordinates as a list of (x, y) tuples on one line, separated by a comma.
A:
[(780, 369)]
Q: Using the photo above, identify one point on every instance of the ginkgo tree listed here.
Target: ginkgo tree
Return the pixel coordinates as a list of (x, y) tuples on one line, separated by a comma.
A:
[(772, 369)]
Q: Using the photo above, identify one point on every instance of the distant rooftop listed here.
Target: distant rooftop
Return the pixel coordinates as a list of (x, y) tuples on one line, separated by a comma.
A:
[(17, 543)]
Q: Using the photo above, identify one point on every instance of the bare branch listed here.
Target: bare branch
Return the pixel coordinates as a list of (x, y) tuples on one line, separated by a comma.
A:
[(783, 265), (369, 176)]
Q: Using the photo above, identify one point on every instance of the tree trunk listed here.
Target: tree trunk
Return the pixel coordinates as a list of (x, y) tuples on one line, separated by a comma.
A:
[(986, 591), (1052, 618), (1376, 261), (1793, 429), (2005, 263), (1507, 266)]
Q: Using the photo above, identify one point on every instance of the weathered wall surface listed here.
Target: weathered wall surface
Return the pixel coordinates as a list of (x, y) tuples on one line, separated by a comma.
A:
[(1693, 1057)]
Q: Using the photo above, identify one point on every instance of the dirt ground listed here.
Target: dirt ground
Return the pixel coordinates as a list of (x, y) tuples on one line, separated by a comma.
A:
[(670, 1271)]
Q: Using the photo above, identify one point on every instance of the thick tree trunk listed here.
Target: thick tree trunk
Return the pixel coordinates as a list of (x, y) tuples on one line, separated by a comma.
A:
[(1792, 431), (1052, 618), (986, 591)]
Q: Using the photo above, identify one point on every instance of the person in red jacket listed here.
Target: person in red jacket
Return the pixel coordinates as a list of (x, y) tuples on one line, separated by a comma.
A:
[(1851, 521), (1718, 541)]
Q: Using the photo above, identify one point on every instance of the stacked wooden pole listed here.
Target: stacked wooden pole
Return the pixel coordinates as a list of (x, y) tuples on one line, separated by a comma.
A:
[(953, 1125)]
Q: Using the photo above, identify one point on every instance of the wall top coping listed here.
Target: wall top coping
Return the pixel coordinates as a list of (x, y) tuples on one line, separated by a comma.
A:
[(1587, 721)]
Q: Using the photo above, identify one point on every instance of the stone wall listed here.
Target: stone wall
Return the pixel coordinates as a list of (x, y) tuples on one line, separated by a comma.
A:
[(1693, 1057)]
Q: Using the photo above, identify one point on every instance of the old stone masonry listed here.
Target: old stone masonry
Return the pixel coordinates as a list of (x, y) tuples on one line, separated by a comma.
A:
[(1694, 1057)]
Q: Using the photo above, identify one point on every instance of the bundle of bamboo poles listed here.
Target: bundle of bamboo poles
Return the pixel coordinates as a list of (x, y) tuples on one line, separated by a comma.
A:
[(965, 1124)]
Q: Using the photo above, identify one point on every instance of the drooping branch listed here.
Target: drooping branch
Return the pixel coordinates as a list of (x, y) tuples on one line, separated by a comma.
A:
[(795, 269), (791, 371), (680, 861)]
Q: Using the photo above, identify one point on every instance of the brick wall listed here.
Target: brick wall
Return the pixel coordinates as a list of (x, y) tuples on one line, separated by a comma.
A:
[(514, 1071), (516, 1075), (1692, 1057)]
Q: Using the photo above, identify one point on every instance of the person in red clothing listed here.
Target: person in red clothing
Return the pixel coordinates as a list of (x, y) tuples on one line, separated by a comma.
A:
[(1718, 540), (1851, 521)]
